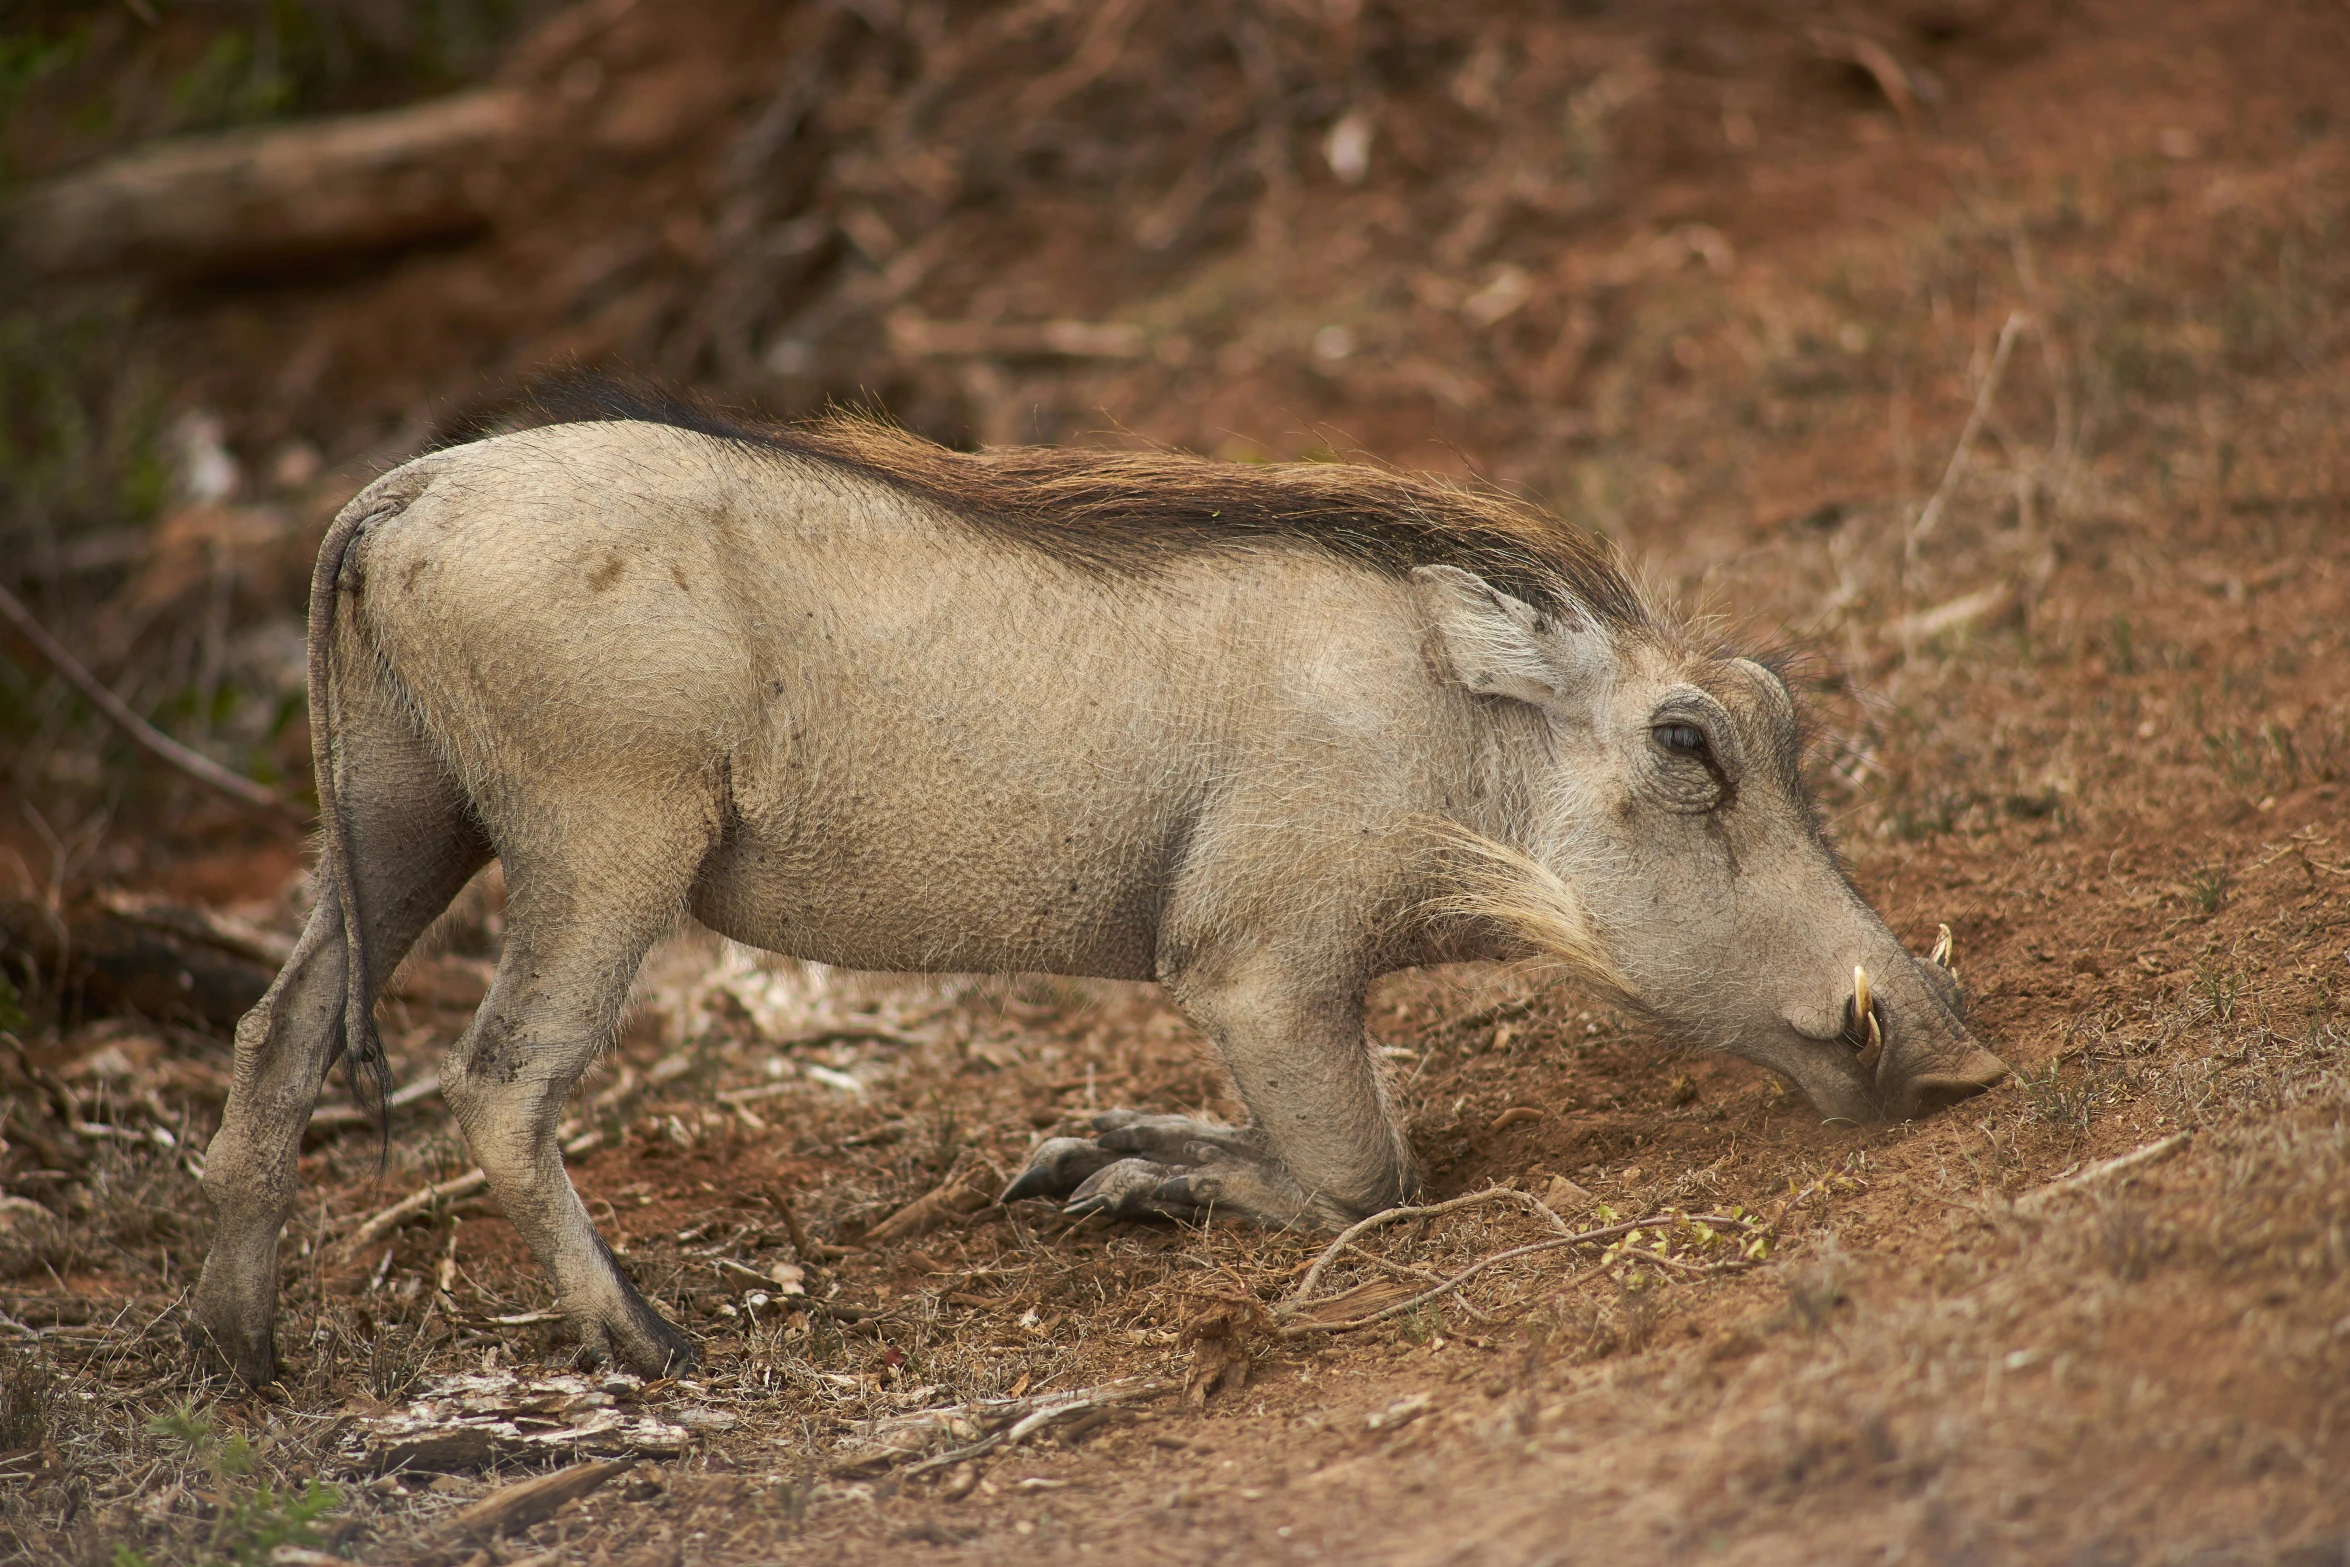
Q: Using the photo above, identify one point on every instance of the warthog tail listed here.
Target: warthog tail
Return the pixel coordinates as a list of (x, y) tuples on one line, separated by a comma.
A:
[(365, 1069)]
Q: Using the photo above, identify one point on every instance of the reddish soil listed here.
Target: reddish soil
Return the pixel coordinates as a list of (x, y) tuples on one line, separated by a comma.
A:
[(2095, 717)]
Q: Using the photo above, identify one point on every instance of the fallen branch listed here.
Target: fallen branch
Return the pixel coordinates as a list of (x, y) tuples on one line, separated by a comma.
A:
[(389, 1219), (194, 922), (2103, 1170), (472, 1419), (192, 205), (108, 963), (511, 1509), (141, 733)]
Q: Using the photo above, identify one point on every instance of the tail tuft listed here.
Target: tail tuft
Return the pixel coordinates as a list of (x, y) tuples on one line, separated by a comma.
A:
[(367, 1072)]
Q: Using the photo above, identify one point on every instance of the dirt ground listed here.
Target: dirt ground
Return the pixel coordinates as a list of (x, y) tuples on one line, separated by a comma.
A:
[(1725, 283)]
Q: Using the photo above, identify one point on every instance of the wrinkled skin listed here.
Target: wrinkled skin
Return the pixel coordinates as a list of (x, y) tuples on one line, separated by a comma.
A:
[(1722, 902), (653, 673)]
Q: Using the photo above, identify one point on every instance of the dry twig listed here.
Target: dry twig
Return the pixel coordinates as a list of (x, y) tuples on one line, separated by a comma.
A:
[(2103, 1170), (1015, 1420), (810, 1251), (416, 1202), (1931, 517), (141, 733), (1303, 1299), (964, 1192)]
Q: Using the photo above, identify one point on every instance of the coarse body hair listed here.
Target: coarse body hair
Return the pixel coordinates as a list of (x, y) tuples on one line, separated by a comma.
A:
[(1256, 732)]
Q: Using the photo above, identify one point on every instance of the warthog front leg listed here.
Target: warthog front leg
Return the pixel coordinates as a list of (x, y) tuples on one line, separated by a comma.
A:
[(1321, 1149), (575, 935), (1178, 1166)]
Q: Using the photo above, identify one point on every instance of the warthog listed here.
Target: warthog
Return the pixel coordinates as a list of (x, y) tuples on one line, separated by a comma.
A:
[(1257, 733)]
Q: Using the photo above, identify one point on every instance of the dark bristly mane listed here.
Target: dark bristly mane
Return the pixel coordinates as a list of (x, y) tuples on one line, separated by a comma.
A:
[(1121, 513)]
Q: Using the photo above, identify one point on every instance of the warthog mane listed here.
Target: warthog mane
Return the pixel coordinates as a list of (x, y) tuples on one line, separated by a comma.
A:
[(1123, 513)]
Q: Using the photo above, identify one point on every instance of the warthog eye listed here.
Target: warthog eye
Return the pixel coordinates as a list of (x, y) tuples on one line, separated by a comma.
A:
[(1694, 766), (1685, 738)]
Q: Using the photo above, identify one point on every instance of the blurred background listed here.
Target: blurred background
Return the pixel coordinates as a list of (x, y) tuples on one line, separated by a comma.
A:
[(1688, 273)]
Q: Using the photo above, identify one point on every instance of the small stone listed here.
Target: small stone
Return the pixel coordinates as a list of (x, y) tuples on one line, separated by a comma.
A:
[(1563, 1196)]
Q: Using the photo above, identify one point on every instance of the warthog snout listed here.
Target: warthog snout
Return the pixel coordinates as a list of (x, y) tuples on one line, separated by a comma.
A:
[(1911, 1054)]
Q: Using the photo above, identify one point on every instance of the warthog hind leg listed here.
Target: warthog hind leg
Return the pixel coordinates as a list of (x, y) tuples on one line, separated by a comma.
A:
[(584, 905), (413, 847)]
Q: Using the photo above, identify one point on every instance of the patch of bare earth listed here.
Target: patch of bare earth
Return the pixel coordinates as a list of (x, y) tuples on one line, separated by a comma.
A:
[(2083, 694)]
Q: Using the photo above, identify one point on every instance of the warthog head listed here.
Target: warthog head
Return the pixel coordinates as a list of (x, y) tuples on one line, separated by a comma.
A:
[(1676, 855)]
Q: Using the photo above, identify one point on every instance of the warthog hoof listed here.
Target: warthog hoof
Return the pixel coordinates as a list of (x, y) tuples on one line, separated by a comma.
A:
[(651, 1348), (616, 1323), (249, 1357), (1140, 1166)]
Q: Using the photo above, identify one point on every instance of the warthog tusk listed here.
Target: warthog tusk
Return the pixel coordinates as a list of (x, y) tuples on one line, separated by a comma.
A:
[(1865, 1016), (1945, 948)]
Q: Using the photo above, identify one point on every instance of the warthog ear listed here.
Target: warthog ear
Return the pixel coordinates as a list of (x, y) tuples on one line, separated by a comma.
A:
[(1502, 646)]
